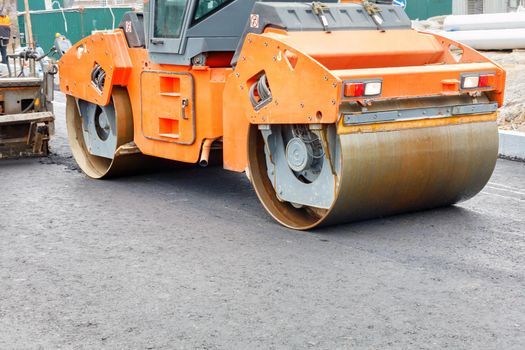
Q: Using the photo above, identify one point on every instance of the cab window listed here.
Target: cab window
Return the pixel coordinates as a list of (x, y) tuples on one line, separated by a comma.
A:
[(169, 17), (207, 7)]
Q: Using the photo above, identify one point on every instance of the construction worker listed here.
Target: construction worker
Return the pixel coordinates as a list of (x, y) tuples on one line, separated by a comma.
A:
[(5, 33)]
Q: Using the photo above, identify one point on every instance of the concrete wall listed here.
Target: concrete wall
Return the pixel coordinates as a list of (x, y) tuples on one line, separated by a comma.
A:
[(464, 7), (494, 6), (512, 144), (459, 7)]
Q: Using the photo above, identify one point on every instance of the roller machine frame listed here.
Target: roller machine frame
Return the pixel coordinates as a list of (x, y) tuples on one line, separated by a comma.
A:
[(336, 111)]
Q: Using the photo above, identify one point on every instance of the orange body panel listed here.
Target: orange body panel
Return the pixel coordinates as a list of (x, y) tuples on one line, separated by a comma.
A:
[(109, 50), (366, 48), (303, 91), (433, 80)]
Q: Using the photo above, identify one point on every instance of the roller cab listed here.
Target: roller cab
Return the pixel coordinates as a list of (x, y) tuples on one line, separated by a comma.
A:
[(337, 112)]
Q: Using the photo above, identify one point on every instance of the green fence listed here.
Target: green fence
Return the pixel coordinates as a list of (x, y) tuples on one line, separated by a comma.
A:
[(423, 9), (35, 5), (80, 23)]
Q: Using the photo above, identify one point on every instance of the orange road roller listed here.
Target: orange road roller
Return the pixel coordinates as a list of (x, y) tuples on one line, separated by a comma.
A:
[(337, 112)]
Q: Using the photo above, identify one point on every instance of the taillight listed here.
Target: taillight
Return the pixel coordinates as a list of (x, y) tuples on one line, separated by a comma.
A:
[(363, 89), (476, 81), (484, 81), (354, 89)]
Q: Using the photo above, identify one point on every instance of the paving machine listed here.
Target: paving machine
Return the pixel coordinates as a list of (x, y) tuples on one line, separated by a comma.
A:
[(336, 111), (26, 106)]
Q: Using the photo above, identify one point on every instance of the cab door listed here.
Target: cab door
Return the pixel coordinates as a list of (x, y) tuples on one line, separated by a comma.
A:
[(168, 25)]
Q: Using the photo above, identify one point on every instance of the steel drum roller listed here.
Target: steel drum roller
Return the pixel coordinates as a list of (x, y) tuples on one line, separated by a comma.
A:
[(97, 127), (391, 172)]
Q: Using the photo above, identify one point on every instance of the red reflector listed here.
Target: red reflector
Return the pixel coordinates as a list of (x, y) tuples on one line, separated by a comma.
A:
[(354, 89), (484, 81)]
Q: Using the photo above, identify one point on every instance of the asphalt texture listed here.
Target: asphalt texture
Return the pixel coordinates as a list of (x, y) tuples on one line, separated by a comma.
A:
[(187, 258)]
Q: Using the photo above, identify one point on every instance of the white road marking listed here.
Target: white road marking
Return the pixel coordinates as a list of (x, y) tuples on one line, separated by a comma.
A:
[(505, 186), (500, 185), (502, 196), (506, 190)]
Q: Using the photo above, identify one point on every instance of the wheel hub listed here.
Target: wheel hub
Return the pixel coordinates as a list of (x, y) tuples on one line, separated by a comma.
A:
[(299, 155), (99, 128), (297, 165), (102, 124)]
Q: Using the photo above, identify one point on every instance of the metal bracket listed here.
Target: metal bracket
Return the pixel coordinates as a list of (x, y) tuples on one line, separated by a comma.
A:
[(418, 114)]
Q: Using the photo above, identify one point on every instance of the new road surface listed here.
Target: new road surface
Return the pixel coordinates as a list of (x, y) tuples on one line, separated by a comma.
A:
[(187, 258)]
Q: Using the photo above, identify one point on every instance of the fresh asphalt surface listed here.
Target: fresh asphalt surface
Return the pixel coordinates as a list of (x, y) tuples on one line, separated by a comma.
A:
[(188, 259)]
